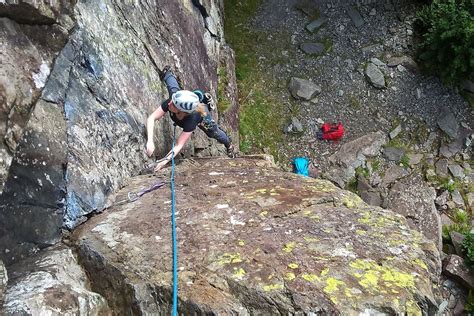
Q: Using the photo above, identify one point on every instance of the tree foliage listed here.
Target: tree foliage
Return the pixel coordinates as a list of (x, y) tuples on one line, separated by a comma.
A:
[(447, 42)]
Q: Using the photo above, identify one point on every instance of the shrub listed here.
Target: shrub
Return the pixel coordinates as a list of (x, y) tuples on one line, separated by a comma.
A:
[(447, 42), (468, 249)]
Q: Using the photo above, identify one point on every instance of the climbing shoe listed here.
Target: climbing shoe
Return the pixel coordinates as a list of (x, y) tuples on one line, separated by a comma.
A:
[(164, 71), (230, 151)]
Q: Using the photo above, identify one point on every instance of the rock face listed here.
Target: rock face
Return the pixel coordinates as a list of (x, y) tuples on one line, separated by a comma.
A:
[(52, 283), (414, 199), (3, 282), (73, 129), (26, 64), (255, 240)]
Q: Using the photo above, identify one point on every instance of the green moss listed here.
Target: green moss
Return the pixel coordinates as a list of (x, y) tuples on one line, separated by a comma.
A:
[(223, 103), (260, 123), (327, 42), (354, 102), (261, 113)]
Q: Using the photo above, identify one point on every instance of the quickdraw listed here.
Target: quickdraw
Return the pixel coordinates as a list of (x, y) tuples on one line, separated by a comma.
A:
[(133, 196)]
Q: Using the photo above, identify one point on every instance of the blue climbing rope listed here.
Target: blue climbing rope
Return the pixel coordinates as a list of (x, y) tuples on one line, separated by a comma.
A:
[(173, 233)]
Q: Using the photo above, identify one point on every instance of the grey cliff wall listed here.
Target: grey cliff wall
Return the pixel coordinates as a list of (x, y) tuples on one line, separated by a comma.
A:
[(78, 83)]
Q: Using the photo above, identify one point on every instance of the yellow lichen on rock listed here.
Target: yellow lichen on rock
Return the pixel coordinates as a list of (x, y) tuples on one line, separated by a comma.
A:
[(412, 309), (324, 272), (227, 258), (239, 273), (293, 265), (289, 247), (272, 287), (310, 239), (376, 278), (351, 200), (310, 277), (332, 285), (420, 263), (290, 276)]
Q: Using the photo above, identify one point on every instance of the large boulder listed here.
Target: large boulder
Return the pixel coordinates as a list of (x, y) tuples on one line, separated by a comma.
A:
[(414, 199), (51, 283), (303, 89), (374, 76), (253, 240), (353, 154), (81, 131)]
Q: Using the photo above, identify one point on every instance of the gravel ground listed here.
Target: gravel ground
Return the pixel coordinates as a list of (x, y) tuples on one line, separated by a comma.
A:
[(410, 97)]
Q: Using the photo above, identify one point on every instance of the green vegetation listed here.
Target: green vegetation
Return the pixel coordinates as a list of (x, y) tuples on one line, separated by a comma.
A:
[(261, 113), (376, 165), (468, 249), (469, 307), (449, 184), (236, 14), (260, 124), (461, 224), (223, 103), (352, 185), (354, 102), (447, 37), (362, 171), (405, 161)]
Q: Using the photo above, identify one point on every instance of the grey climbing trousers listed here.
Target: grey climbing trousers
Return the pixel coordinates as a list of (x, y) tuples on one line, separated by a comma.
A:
[(208, 125)]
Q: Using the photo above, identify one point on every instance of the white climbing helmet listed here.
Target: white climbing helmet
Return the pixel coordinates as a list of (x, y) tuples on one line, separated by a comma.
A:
[(185, 100)]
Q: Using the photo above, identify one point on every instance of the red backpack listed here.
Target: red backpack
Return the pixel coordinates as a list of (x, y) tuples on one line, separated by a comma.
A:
[(332, 131)]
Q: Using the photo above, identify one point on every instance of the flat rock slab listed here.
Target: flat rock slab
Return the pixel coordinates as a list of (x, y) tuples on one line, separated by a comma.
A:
[(253, 240), (51, 283), (355, 16), (313, 48), (316, 24)]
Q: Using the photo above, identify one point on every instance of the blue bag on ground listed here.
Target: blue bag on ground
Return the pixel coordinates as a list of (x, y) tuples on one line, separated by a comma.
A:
[(301, 165)]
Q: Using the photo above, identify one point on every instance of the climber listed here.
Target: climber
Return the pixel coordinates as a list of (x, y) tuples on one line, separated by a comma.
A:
[(187, 110)]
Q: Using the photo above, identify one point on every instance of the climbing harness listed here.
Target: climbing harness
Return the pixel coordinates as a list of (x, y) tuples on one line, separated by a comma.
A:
[(133, 196), (300, 166), (173, 233)]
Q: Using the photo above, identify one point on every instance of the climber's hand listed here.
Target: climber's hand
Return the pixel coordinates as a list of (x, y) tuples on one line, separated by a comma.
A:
[(150, 148), (161, 164)]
